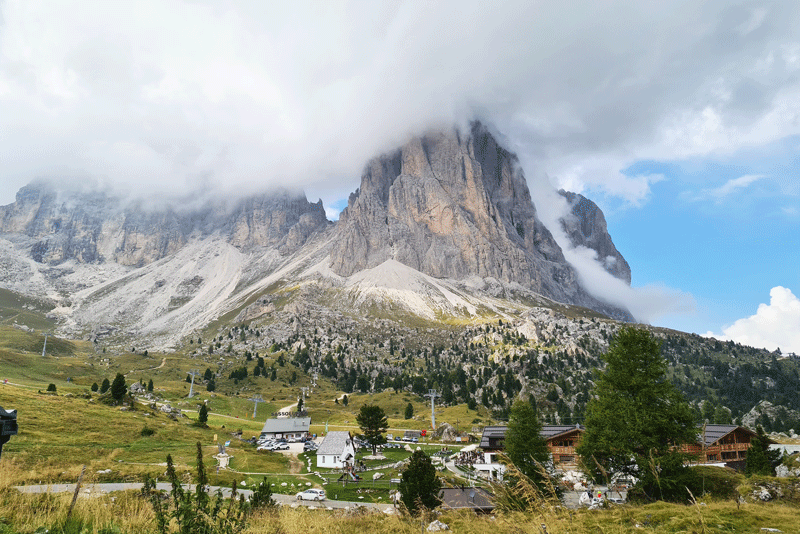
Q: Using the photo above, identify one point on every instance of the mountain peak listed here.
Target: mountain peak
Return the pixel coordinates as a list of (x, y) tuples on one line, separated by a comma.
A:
[(455, 204)]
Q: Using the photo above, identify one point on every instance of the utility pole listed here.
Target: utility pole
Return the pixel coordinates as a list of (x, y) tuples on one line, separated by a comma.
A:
[(193, 372), (256, 399), (432, 394), (304, 389), (44, 347)]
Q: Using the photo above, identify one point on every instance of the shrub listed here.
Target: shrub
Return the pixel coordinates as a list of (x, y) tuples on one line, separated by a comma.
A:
[(197, 513), (262, 496)]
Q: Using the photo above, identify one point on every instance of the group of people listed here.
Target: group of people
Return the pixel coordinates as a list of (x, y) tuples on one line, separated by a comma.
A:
[(468, 458)]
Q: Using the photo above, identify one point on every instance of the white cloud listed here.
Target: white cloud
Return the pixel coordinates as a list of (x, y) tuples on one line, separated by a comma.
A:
[(242, 95), (774, 325), (646, 303), (728, 188)]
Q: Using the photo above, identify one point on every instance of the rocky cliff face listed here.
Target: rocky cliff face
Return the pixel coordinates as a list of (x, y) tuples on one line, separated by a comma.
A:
[(99, 227), (444, 226), (454, 205), (586, 226)]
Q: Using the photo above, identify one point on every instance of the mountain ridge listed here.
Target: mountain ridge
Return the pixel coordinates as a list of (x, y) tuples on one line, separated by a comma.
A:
[(451, 206)]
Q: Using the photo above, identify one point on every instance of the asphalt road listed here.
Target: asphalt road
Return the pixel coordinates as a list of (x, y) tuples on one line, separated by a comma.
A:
[(284, 500)]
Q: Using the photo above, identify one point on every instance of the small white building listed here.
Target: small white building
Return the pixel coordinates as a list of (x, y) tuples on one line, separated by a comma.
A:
[(336, 451), (288, 427)]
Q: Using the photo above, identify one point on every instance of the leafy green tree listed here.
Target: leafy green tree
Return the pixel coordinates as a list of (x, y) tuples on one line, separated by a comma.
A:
[(202, 415), (524, 444), (118, 388), (638, 419), (419, 485), (409, 411), (761, 460), (372, 420), (105, 385)]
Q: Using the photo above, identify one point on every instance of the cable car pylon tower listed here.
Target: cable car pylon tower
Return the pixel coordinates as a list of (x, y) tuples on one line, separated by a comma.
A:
[(432, 394)]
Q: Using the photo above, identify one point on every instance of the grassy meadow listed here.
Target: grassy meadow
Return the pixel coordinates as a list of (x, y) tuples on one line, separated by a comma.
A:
[(59, 433)]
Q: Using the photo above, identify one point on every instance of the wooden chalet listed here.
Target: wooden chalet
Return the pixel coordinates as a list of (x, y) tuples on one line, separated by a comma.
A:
[(562, 441), (721, 444)]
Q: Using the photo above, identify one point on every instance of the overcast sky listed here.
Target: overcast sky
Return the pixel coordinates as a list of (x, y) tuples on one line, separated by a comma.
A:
[(680, 119)]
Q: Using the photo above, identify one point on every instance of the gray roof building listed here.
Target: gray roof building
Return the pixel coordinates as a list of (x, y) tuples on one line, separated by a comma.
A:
[(287, 425), (334, 442), (714, 433), (493, 437), (477, 499), (551, 431)]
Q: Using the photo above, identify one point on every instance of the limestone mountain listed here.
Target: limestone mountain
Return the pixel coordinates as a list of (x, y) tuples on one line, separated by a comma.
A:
[(586, 226), (443, 226), (455, 205), (98, 227)]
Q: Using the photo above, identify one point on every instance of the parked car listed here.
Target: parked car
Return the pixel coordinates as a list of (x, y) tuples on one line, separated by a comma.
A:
[(281, 447), (311, 495)]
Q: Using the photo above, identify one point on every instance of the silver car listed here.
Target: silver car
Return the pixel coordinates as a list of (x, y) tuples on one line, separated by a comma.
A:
[(311, 495)]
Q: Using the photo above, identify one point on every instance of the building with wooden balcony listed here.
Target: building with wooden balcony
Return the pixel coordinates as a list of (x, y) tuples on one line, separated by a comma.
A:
[(562, 441), (726, 444)]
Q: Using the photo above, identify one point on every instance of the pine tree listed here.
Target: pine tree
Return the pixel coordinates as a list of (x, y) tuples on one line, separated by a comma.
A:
[(150, 386), (419, 484), (638, 420), (105, 385), (524, 444), (761, 460), (95, 387), (202, 415), (409, 411), (118, 388), (372, 420)]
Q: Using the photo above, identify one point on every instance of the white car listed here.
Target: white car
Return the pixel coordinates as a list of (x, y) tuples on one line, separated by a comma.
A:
[(311, 495)]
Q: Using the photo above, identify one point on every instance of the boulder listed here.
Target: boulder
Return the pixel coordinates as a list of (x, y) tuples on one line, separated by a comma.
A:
[(437, 526)]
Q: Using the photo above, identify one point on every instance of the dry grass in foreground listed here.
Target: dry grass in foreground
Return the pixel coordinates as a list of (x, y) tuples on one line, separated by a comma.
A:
[(127, 512)]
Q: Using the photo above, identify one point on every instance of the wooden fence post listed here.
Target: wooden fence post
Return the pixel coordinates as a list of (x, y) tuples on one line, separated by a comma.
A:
[(77, 489)]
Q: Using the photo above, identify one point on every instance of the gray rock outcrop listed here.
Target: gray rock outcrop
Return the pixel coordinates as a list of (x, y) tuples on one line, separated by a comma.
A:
[(453, 205), (586, 226), (100, 227)]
